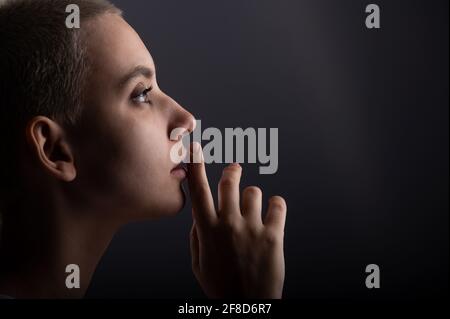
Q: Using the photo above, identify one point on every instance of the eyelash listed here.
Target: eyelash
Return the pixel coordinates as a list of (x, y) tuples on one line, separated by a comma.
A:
[(143, 94)]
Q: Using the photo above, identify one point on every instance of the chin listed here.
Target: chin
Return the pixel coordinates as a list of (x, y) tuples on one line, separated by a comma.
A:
[(165, 207), (176, 203)]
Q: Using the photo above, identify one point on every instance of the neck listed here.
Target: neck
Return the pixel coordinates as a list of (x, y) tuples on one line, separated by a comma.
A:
[(38, 244)]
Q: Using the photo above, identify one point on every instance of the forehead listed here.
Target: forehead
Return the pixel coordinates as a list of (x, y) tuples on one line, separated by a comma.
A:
[(114, 48)]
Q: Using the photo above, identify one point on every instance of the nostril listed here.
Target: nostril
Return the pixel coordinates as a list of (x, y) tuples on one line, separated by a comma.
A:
[(177, 133)]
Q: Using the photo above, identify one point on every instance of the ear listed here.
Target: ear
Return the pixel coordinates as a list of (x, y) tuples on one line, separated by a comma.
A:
[(49, 144)]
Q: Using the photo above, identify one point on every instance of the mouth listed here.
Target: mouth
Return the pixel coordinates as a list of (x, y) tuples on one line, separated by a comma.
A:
[(179, 171)]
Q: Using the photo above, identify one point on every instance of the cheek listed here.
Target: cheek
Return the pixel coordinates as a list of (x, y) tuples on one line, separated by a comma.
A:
[(126, 164), (142, 172), (141, 154)]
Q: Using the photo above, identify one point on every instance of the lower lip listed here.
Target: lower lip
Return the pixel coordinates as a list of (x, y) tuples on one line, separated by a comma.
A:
[(178, 172)]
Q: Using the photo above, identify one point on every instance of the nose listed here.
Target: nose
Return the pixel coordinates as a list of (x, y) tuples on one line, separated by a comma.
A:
[(181, 123)]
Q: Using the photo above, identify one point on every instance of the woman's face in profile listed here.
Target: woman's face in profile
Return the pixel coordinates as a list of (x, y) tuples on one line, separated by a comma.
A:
[(122, 145)]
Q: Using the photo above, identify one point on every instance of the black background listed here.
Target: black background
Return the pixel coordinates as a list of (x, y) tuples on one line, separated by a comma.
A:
[(363, 139)]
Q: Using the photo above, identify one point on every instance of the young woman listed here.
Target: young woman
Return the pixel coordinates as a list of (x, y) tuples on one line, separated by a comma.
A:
[(86, 134)]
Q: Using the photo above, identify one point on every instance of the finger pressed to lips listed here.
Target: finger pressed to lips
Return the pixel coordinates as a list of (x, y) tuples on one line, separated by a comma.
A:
[(204, 211), (202, 200)]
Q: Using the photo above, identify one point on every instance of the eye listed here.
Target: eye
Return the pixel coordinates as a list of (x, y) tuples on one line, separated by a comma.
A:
[(142, 96)]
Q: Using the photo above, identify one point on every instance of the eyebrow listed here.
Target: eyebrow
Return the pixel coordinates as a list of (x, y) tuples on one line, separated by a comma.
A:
[(137, 71)]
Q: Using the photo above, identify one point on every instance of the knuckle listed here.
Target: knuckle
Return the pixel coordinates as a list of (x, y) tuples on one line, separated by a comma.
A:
[(254, 233), (233, 168), (230, 224), (277, 202), (232, 171), (252, 191), (272, 237), (227, 182)]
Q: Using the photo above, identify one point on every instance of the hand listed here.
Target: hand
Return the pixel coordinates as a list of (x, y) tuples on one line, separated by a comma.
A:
[(234, 253)]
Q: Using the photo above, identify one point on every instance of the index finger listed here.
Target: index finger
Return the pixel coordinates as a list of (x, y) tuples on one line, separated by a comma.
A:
[(202, 200)]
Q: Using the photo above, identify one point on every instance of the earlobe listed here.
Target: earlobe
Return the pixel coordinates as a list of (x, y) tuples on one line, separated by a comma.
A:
[(48, 142)]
